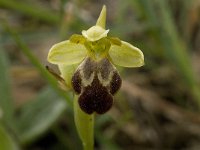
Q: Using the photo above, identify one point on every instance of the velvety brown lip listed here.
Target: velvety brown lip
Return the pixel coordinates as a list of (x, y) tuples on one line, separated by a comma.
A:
[(96, 96)]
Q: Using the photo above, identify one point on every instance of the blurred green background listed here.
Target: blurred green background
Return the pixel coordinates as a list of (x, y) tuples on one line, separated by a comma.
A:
[(158, 104)]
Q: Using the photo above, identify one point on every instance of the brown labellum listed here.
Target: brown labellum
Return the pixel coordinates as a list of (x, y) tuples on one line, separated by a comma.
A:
[(96, 83)]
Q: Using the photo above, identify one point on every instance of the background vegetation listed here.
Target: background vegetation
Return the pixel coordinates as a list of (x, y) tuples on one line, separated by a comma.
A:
[(158, 104)]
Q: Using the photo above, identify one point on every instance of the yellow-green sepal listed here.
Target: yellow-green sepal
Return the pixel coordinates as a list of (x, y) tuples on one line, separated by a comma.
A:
[(126, 55), (101, 21), (67, 53)]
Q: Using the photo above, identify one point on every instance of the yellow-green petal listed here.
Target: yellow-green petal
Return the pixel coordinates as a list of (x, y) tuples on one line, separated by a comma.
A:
[(95, 33), (126, 55), (67, 53)]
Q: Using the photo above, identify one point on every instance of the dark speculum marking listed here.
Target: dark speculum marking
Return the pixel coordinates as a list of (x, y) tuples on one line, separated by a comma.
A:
[(89, 67), (96, 83), (105, 68)]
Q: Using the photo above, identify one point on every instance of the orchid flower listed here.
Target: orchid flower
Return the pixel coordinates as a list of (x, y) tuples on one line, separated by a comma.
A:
[(87, 63)]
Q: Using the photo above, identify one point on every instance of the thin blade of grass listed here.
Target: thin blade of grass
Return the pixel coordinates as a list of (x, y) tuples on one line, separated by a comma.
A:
[(6, 141), (38, 115), (27, 52), (31, 10), (6, 101), (175, 49)]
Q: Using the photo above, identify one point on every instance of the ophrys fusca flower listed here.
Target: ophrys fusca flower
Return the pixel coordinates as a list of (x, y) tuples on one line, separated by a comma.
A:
[(87, 63)]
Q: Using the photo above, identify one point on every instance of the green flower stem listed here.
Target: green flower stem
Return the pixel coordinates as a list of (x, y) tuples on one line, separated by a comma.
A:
[(85, 126)]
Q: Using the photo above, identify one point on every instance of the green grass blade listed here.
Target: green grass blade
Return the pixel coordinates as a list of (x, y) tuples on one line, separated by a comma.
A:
[(6, 141), (27, 52), (38, 115), (6, 101), (175, 48), (31, 10)]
